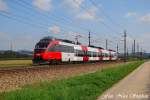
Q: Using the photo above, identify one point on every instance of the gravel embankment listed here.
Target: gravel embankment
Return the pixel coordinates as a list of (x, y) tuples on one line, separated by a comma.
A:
[(11, 80)]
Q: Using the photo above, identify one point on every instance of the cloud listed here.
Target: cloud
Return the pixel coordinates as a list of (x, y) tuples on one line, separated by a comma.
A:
[(89, 14), (146, 18), (3, 6), (76, 34), (54, 29), (74, 4), (131, 14), (44, 5)]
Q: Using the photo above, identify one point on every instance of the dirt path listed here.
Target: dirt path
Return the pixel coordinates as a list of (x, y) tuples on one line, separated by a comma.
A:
[(16, 79), (136, 86)]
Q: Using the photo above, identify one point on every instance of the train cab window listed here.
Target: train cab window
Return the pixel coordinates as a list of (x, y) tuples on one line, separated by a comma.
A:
[(41, 45), (52, 48)]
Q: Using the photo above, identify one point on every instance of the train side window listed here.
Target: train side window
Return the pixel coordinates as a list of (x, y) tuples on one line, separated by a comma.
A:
[(80, 53), (103, 54), (51, 48), (100, 54), (106, 54), (76, 52), (89, 53), (94, 54), (85, 53)]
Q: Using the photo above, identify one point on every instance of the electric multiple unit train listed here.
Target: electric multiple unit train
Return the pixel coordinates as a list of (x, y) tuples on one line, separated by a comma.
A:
[(50, 50)]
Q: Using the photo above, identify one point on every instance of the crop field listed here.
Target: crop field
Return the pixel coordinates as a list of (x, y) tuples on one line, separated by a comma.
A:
[(15, 63), (83, 87)]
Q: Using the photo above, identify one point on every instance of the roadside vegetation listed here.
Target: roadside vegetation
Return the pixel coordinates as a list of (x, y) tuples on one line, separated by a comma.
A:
[(15, 63), (14, 55), (84, 87)]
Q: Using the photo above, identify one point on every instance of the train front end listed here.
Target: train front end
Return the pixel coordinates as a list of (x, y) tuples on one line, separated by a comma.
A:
[(40, 50)]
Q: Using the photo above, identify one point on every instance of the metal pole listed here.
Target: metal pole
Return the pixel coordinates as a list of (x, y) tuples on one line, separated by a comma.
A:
[(117, 48), (134, 47), (89, 38), (106, 44), (125, 35)]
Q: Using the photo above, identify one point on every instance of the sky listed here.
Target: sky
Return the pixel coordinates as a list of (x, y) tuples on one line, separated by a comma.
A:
[(24, 22)]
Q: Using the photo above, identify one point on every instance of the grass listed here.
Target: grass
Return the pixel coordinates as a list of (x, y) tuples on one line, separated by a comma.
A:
[(84, 87), (15, 63)]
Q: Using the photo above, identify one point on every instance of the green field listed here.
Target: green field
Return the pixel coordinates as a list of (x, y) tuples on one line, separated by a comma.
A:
[(15, 63), (84, 87)]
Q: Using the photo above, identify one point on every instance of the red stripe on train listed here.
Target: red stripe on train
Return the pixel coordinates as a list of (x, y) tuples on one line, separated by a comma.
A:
[(101, 57), (85, 49), (54, 42), (52, 56)]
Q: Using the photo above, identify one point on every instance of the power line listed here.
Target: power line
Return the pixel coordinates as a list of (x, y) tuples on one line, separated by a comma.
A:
[(106, 15), (25, 21), (57, 19), (27, 4), (19, 19), (109, 28)]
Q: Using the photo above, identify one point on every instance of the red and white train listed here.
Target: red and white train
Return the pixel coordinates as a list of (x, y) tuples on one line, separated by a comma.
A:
[(57, 50)]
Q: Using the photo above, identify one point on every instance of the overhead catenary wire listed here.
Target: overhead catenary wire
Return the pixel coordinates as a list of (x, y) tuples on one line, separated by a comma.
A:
[(109, 18), (26, 5), (54, 18), (106, 15), (101, 22)]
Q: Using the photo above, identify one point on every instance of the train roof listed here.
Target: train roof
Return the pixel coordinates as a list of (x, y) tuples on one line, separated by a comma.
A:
[(112, 50), (49, 38), (68, 41), (96, 47)]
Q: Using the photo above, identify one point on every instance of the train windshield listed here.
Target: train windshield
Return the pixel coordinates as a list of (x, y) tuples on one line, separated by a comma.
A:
[(41, 45)]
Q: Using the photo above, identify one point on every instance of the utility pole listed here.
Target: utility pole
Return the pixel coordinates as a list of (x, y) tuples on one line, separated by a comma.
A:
[(134, 48), (141, 53), (89, 38), (76, 39), (127, 52), (137, 49), (125, 43), (117, 49), (106, 44)]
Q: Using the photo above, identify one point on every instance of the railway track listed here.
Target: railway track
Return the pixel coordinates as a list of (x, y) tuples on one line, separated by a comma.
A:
[(44, 67)]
